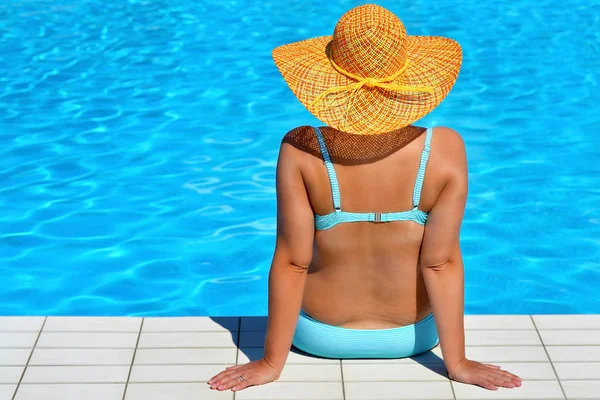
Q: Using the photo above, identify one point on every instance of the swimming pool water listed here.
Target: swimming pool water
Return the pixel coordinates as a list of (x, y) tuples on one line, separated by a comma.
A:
[(138, 142)]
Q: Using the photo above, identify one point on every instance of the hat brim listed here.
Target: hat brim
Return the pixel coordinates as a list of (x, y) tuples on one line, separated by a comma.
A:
[(434, 61)]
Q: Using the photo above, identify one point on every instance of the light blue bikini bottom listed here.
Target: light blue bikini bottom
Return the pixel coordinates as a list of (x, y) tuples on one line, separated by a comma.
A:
[(330, 341)]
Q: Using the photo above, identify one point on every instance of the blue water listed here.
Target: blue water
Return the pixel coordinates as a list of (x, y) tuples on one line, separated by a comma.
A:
[(138, 143)]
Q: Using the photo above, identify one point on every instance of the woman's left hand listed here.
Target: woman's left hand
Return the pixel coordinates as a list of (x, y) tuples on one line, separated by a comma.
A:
[(254, 373)]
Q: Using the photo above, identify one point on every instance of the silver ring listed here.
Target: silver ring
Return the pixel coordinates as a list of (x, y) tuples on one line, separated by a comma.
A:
[(241, 378)]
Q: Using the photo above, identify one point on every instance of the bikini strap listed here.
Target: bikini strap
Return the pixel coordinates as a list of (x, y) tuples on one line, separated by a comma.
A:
[(335, 189), (421, 173)]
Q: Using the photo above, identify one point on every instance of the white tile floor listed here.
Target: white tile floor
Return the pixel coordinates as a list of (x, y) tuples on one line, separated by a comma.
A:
[(80, 358)]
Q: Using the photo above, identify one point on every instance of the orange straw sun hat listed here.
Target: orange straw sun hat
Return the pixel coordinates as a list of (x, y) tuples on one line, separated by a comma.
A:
[(370, 76)]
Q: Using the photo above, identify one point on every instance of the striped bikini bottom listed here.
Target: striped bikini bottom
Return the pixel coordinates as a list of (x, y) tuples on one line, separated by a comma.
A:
[(330, 341)]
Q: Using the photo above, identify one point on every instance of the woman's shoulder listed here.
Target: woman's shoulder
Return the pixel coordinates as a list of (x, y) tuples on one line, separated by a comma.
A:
[(448, 136), (448, 150)]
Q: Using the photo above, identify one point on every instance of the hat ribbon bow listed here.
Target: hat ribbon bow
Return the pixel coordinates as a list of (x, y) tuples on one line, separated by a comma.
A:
[(384, 83)]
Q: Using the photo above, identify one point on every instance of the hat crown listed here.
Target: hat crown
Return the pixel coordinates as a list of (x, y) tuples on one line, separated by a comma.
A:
[(368, 41)]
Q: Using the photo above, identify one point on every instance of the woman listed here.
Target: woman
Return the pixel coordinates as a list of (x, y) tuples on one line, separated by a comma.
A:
[(367, 262)]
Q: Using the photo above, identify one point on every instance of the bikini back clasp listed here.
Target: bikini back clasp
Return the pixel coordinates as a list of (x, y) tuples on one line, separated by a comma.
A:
[(338, 216)]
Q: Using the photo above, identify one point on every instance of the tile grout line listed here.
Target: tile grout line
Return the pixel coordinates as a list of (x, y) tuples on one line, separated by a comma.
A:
[(237, 353), (550, 359), (92, 382), (133, 358), (260, 347), (129, 347), (452, 387), (263, 331), (469, 345), (29, 358), (343, 383), (298, 364), (122, 331)]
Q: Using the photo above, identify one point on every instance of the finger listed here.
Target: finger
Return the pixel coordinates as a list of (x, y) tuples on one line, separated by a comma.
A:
[(488, 385), (241, 385), (507, 375), (499, 379), (221, 377), (229, 383), (512, 376), (218, 376), (227, 370)]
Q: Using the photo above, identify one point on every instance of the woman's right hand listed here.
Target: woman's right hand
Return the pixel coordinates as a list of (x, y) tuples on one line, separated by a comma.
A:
[(488, 376)]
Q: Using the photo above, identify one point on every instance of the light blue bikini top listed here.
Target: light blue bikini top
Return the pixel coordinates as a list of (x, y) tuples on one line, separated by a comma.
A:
[(323, 222)]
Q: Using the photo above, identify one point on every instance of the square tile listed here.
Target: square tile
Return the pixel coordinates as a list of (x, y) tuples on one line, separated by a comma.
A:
[(187, 339), (497, 322), (16, 340), (81, 357), (93, 324), (581, 389), (247, 354), (254, 324), (10, 374), (23, 324), (14, 357), (496, 354), (252, 339), (570, 337), (185, 356), (79, 374), (515, 337), (175, 391), (529, 370), (394, 372), (104, 391), (312, 373), (573, 353), (544, 390), (183, 324), (292, 390), (174, 373), (578, 370), (392, 390), (567, 321), (87, 340), (7, 391)]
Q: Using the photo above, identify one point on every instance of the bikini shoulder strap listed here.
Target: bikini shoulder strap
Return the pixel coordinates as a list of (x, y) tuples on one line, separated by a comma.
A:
[(421, 173), (335, 189)]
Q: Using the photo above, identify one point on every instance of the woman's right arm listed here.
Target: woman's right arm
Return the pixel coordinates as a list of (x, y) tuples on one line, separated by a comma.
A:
[(442, 267)]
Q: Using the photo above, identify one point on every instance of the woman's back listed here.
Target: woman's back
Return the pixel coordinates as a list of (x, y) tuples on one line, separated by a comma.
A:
[(366, 274)]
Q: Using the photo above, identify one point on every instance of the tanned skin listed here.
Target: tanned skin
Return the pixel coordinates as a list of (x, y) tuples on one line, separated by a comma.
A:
[(365, 275)]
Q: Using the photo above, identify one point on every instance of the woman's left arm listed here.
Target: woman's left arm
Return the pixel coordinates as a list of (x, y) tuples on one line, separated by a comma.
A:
[(287, 276)]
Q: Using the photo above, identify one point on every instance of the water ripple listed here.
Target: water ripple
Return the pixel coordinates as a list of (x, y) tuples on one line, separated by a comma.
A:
[(139, 142)]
